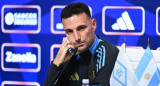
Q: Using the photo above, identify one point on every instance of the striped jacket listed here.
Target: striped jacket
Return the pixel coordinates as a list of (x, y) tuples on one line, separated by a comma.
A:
[(96, 67)]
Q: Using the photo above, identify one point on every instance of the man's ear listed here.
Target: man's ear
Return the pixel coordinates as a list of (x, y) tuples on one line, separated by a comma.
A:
[(94, 24)]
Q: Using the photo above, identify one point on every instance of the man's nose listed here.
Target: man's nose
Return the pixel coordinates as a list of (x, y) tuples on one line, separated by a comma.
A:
[(77, 36)]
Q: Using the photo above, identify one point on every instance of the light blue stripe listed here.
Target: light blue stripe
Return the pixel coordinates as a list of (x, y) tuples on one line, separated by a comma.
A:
[(100, 60), (100, 53), (103, 55), (97, 67), (143, 64), (100, 50), (100, 40), (94, 45), (155, 79)]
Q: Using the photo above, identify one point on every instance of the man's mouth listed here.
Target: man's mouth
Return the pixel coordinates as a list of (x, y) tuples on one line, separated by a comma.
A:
[(80, 44)]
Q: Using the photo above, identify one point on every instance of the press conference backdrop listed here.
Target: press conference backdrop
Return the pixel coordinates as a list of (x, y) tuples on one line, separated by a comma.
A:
[(31, 32)]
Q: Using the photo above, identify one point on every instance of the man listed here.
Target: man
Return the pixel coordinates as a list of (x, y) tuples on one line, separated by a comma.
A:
[(95, 57)]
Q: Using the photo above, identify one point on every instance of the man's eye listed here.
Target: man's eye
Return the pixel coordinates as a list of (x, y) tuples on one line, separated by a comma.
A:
[(81, 28), (68, 31)]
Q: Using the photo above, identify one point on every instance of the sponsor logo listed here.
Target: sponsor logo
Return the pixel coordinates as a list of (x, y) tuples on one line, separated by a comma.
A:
[(118, 20), (59, 26), (123, 23), (28, 57), (20, 19), (56, 24), (157, 21), (53, 51), (74, 77), (21, 83), (20, 57)]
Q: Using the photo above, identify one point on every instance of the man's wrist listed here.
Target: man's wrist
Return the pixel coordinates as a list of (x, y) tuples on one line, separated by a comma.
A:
[(57, 63)]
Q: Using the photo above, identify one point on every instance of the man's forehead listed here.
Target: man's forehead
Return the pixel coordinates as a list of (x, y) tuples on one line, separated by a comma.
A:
[(81, 25)]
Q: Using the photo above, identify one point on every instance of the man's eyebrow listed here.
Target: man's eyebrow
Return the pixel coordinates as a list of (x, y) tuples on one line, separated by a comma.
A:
[(67, 30)]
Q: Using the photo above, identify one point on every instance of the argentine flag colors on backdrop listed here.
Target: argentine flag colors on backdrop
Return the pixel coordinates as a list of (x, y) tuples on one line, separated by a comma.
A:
[(123, 74), (147, 72)]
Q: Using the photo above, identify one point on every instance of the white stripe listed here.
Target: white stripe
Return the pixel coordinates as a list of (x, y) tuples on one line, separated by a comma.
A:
[(115, 26), (151, 69), (121, 24), (128, 21)]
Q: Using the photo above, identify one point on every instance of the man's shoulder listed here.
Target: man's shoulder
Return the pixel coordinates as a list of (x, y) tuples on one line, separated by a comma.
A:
[(106, 43)]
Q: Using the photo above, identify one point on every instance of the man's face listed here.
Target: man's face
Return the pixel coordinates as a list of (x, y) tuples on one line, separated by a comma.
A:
[(79, 30)]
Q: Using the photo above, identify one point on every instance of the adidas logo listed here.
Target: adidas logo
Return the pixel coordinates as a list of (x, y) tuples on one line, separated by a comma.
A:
[(123, 23), (74, 77)]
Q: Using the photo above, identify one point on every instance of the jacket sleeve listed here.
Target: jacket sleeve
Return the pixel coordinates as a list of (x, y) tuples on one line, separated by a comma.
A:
[(52, 74), (111, 53)]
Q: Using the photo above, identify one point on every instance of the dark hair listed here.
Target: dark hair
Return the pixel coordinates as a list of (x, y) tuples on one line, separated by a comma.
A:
[(75, 8)]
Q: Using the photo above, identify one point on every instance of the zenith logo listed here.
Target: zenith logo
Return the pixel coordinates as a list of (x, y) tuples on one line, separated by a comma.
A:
[(123, 23)]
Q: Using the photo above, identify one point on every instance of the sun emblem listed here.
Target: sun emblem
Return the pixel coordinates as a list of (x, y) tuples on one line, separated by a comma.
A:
[(147, 76)]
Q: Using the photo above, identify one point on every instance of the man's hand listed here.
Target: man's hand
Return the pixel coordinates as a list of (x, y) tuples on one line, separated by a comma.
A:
[(63, 55)]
